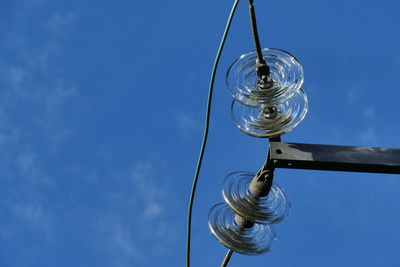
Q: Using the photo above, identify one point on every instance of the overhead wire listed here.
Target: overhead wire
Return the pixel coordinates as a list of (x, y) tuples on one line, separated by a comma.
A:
[(206, 127)]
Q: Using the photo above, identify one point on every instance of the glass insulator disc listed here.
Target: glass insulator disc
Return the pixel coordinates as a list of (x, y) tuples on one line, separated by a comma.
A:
[(273, 120), (285, 71), (269, 209), (249, 241)]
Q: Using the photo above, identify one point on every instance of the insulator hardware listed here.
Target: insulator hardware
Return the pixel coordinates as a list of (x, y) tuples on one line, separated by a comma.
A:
[(269, 209), (270, 106), (263, 106), (253, 240), (244, 222)]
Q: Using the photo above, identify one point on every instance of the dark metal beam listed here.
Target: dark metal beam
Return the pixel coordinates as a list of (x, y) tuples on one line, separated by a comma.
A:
[(335, 158)]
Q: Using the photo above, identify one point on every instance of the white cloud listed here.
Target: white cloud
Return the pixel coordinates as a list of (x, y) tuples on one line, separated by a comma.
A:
[(187, 123), (152, 210), (32, 99), (30, 170), (30, 72), (144, 195), (32, 213), (369, 135), (148, 190), (117, 241), (352, 94), (16, 75), (59, 21), (369, 113), (121, 238)]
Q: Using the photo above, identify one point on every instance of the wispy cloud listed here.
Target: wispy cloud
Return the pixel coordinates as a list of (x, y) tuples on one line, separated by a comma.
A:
[(59, 21), (188, 123), (30, 76), (368, 131), (32, 214), (147, 199), (147, 190), (33, 98), (30, 170), (369, 113), (122, 238), (369, 135), (352, 94)]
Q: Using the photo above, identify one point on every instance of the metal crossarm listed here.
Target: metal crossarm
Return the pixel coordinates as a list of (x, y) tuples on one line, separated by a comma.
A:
[(335, 158)]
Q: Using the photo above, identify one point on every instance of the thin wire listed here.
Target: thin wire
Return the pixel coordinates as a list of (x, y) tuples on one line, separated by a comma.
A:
[(206, 126), (227, 258)]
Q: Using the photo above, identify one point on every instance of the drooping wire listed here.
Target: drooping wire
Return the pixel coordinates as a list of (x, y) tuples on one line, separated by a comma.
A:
[(206, 127)]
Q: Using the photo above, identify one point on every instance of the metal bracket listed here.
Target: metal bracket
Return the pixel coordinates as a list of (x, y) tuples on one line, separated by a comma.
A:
[(335, 158)]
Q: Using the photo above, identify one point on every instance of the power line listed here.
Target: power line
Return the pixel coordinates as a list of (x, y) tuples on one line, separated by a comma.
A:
[(206, 127)]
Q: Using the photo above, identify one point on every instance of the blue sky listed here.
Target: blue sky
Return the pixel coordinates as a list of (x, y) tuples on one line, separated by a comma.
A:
[(101, 114)]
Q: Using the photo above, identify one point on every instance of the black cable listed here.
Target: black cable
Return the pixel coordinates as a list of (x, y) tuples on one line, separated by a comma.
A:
[(255, 32), (227, 258), (262, 67)]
